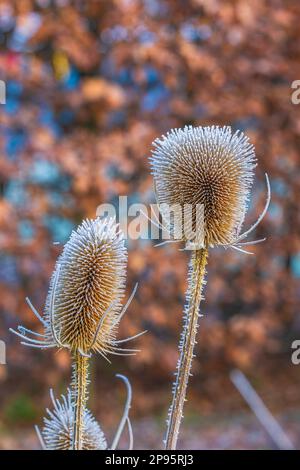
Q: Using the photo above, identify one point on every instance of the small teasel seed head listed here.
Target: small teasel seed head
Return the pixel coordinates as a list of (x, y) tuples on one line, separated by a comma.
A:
[(208, 167), (84, 300), (57, 432)]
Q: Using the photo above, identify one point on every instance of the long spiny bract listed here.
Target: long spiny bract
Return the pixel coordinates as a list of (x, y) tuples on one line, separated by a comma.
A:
[(209, 166), (125, 417)]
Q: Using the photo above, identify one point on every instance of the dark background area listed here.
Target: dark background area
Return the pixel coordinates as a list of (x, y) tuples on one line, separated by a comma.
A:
[(89, 85)]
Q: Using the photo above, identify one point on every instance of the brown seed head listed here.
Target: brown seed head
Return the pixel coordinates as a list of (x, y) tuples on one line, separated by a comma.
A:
[(210, 166), (84, 300)]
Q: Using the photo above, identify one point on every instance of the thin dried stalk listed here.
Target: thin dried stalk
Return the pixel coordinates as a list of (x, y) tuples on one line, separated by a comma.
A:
[(186, 346), (79, 390)]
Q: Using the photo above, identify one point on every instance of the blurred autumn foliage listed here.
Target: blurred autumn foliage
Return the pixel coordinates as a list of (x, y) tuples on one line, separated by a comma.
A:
[(89, 85)]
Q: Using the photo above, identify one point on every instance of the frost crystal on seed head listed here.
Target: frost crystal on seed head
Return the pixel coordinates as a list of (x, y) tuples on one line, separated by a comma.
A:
[(208, 166), (87, 287), (58, 427), (83, 307)]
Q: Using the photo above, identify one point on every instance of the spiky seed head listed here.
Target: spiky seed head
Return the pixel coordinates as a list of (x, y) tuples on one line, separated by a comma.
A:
[(58, 427), (87, 287), (209, 166)]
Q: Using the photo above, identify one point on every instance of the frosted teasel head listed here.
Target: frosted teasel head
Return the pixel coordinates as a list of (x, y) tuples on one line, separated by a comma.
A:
[(83, 306), (89, 279), (57, 432), (209, 168)]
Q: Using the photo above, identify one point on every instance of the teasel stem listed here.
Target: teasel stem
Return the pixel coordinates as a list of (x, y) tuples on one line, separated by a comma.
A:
[(80, 396), (187, 343)]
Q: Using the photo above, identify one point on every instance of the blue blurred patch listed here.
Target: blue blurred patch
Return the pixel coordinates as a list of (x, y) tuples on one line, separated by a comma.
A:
[(8, 269), (12, 105), (24, 31), (15, 142), (15, 193), (147, 37), (66, 117), (195, 33), (295, 265), (153, 77), (59, 227), (244, 124), (47, 118), (44, 172), (116, 118), (275, 211), (154, 97), (124, 76), (26, 230), (71, 80), (14, 88), (59, 200), (279, 187)]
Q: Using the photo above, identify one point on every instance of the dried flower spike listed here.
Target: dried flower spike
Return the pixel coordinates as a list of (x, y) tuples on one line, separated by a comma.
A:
[(83, 307), (210, 167), (87, 288)]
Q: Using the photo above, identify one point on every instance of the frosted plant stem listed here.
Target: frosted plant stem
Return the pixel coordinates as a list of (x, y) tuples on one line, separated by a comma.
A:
[(80, 395), (187, 343)]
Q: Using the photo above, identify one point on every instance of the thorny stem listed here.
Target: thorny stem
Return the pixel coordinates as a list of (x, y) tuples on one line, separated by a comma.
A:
[(187, 343), (79, 390)]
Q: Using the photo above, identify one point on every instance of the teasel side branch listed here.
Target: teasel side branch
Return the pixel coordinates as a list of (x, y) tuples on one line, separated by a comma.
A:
[(57, 432), (187, 343)]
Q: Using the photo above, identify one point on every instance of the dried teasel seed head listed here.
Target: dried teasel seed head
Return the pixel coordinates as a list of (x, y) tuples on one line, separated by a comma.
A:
[(209, 166), (83, 306), (57, 433)]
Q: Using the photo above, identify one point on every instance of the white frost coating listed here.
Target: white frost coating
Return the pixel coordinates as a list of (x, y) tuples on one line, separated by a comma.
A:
[(92, 278), (83, 306), (206, 165), (58, 427)]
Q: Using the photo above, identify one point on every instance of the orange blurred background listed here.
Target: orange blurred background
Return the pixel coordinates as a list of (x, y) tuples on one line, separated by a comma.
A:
[(89, 85)]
